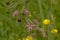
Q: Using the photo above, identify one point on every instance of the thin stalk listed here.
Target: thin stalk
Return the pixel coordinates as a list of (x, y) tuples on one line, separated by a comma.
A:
[(40, 8), (41, 11), (52, 18)]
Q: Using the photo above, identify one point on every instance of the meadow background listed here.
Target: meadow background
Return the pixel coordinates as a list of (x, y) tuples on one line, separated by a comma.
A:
[(12, 29)]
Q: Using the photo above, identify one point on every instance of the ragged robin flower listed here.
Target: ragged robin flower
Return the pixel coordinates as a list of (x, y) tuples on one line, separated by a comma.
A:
[(15, 13), (54, 31), (46, 21), (25, 11), (30, 26), (29, 38)]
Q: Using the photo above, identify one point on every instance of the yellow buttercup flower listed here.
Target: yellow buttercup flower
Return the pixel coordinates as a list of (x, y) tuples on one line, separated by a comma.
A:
[(46, 21), (29, 38), (54, 31)]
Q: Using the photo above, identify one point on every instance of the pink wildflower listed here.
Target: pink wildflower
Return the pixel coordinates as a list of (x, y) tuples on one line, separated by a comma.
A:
[(25, 11), (15, 13), (30, 26)]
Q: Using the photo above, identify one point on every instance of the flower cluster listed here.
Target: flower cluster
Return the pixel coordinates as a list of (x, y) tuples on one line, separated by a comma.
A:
[(31, 26)]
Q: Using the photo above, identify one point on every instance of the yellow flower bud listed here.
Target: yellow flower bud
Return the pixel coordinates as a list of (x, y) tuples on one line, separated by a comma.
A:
[(19, 39), (54, 31), (30, 15)]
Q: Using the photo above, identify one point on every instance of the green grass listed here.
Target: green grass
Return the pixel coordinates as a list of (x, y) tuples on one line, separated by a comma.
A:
[(11, 29)]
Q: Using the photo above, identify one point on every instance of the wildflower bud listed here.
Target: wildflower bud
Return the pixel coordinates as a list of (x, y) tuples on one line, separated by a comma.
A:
[(30, 15), (19, 20), (15, 13), (19, 39), (25, 11), (54, 31), (7, 3)]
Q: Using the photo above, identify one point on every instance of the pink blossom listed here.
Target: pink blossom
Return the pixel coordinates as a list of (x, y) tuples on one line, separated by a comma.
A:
[(25, 11), (30, 26), (15, 13)]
